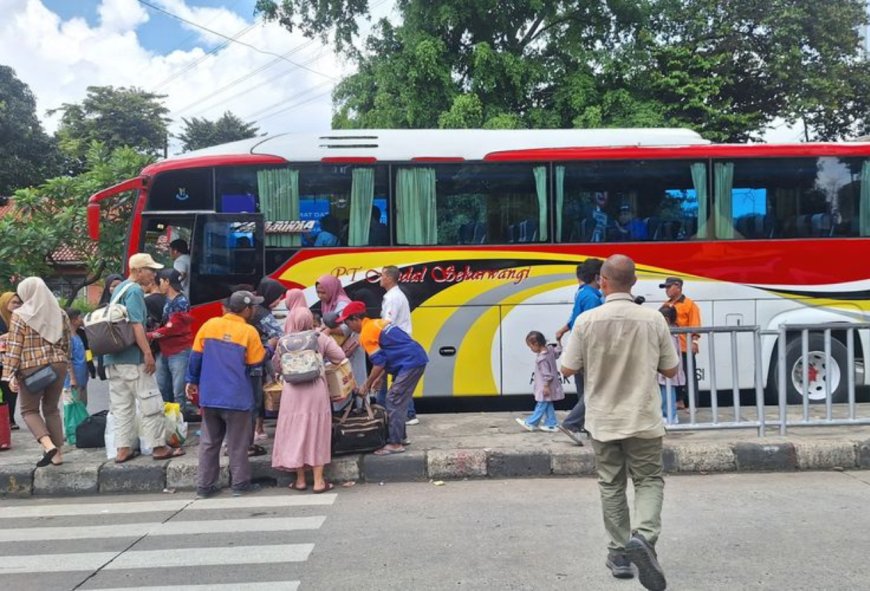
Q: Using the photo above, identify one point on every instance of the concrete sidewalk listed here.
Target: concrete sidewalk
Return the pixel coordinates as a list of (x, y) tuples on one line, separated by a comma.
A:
[(447, 446)]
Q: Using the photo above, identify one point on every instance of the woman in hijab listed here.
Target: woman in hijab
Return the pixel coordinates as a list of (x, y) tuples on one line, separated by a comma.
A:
[(9, 302), (333, 299), (112, 281), (303, 437), (294, 298), (39, 338)]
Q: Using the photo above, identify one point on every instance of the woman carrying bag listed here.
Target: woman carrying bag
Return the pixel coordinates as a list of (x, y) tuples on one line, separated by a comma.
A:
[(36, 364)]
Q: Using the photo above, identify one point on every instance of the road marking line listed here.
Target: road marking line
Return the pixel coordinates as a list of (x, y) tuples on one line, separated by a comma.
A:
[(190, 557), (170, 528), (169, 505), (271, 586), (166, 558)]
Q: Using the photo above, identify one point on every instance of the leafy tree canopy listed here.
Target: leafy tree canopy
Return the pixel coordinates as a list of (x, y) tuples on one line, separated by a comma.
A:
[(202, 133), (114, 117), (53, 215), (27, 155), (726, 69)]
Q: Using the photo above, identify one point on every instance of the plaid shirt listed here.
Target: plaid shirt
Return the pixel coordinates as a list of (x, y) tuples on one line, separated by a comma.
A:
[(26, 349)]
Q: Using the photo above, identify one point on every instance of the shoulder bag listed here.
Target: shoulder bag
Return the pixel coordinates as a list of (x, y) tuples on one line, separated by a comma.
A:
[(108, 329)]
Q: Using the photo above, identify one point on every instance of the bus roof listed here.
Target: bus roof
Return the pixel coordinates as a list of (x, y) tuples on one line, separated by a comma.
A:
[(441, 144)]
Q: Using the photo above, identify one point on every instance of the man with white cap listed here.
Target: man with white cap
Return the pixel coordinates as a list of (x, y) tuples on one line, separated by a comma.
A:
[(131, 371)]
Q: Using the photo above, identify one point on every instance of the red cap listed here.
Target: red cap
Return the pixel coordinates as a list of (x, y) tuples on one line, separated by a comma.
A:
[(352, 308)]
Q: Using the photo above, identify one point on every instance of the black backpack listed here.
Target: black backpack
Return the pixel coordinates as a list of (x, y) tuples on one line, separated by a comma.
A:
[(91, 432)]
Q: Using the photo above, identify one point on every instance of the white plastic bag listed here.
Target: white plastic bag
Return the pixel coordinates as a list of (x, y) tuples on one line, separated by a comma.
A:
[(111, 450)]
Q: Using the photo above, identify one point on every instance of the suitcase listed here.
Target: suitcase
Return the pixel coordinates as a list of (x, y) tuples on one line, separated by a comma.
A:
[(5, 431), (91, 432), (359, 430)]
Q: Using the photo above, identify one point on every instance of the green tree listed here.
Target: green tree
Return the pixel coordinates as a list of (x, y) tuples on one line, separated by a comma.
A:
[(114, 117), (54, 214), (27, 154), (202, 133), (726, 69)]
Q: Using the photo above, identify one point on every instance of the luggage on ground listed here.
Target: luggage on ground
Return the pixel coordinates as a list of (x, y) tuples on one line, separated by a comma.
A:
[(5, 430), (91, 432), (359, 430)]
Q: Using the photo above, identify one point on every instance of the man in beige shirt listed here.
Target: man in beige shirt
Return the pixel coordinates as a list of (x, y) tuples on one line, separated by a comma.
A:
[(620, 347)]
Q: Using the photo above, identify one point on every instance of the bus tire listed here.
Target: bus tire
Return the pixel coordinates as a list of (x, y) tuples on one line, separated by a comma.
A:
[(818, 372)]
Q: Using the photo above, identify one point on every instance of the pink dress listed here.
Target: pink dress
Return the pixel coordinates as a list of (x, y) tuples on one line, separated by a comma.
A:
[(304, 434)]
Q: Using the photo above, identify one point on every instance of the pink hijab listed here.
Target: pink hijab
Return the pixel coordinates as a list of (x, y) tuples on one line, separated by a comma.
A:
[(299, 319), (294, 298), (334, 293)]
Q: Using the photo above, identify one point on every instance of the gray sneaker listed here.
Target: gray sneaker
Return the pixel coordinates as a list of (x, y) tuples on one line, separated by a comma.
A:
[(574, 435), (643, 555), (619, 565), (205, 493)]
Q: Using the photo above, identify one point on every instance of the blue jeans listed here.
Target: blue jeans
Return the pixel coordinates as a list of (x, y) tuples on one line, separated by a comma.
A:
[(545, 411), (672, 419), (170, 378), (381, 399)]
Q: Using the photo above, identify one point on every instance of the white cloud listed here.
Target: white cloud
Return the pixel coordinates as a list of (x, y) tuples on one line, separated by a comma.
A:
[(59, 59)]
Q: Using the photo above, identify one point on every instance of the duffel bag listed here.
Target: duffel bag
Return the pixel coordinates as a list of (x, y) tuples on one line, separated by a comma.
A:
[(108, 329), (91, 432), (359, 430)]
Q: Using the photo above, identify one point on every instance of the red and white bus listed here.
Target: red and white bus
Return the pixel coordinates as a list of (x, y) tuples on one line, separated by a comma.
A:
[(488, 226)]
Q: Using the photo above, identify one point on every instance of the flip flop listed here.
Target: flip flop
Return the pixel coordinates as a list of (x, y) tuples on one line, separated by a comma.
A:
[(385, 451), (176, 452), (292, 486), (256, 450), (329, 486), (133, 454), (45, 460)]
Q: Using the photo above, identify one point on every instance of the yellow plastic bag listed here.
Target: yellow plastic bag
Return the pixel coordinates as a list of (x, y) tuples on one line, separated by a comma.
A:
[(176, 427)]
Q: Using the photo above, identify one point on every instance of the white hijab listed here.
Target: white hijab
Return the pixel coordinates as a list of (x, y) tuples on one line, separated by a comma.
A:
[(40, 310)]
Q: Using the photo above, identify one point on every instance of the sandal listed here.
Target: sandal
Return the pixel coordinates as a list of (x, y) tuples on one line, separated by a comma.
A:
[(176, 452), (45, 460), (130, 456), (386, 451), (256, 450), (329, 486), (293, 486)]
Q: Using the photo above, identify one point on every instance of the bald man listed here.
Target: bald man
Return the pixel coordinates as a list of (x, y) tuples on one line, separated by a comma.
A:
[(620, 347)]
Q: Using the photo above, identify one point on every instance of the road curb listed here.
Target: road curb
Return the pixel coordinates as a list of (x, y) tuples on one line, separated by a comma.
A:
[(679, 457)]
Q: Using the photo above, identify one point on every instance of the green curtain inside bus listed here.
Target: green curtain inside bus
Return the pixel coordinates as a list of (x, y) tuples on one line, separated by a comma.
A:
[(560, 200), (279, 202), (864, 206), (362, 196), (541, 189), (416, 212), (723, 177), (699, 180)]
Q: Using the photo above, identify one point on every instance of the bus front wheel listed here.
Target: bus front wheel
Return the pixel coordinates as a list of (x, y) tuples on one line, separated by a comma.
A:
[(818, 372)]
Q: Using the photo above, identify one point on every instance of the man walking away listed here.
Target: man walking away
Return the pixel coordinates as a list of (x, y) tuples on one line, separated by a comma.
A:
[(688, 314), (588, 297), (620, 347), (396, 310), (131, 371), (391, 350), (223, 351)]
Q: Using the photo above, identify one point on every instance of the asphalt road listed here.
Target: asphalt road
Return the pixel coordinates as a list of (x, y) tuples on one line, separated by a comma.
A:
[(804, 531)]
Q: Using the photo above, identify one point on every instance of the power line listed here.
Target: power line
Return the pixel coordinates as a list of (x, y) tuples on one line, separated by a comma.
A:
[(295, 105), (232, 40)]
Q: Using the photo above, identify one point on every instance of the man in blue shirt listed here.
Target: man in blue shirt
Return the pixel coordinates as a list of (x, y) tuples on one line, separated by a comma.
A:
[(588, 297)]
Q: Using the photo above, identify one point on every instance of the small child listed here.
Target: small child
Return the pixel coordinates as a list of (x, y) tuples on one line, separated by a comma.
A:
[(77, 379), (670, 390), (548, 385)]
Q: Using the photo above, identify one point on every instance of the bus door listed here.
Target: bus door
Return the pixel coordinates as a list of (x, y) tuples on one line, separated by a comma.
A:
[(227, 251), (160, 229)]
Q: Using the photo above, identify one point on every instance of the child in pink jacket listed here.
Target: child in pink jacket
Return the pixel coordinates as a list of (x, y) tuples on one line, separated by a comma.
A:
[(548, 385)]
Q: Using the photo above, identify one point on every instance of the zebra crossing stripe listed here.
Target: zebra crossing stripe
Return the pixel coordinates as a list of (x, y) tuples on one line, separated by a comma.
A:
[(168, 505), (175, 527), (270, 586), (188, 557)]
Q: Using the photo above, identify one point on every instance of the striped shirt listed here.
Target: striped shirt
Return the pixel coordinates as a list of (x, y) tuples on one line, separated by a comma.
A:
[(26, 349)]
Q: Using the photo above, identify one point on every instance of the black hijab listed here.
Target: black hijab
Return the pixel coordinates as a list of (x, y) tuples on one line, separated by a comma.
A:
[(107, 295), (270, 290)]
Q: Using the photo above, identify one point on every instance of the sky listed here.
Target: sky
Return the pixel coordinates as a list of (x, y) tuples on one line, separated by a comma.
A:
[(60, 47), (280, 81)]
